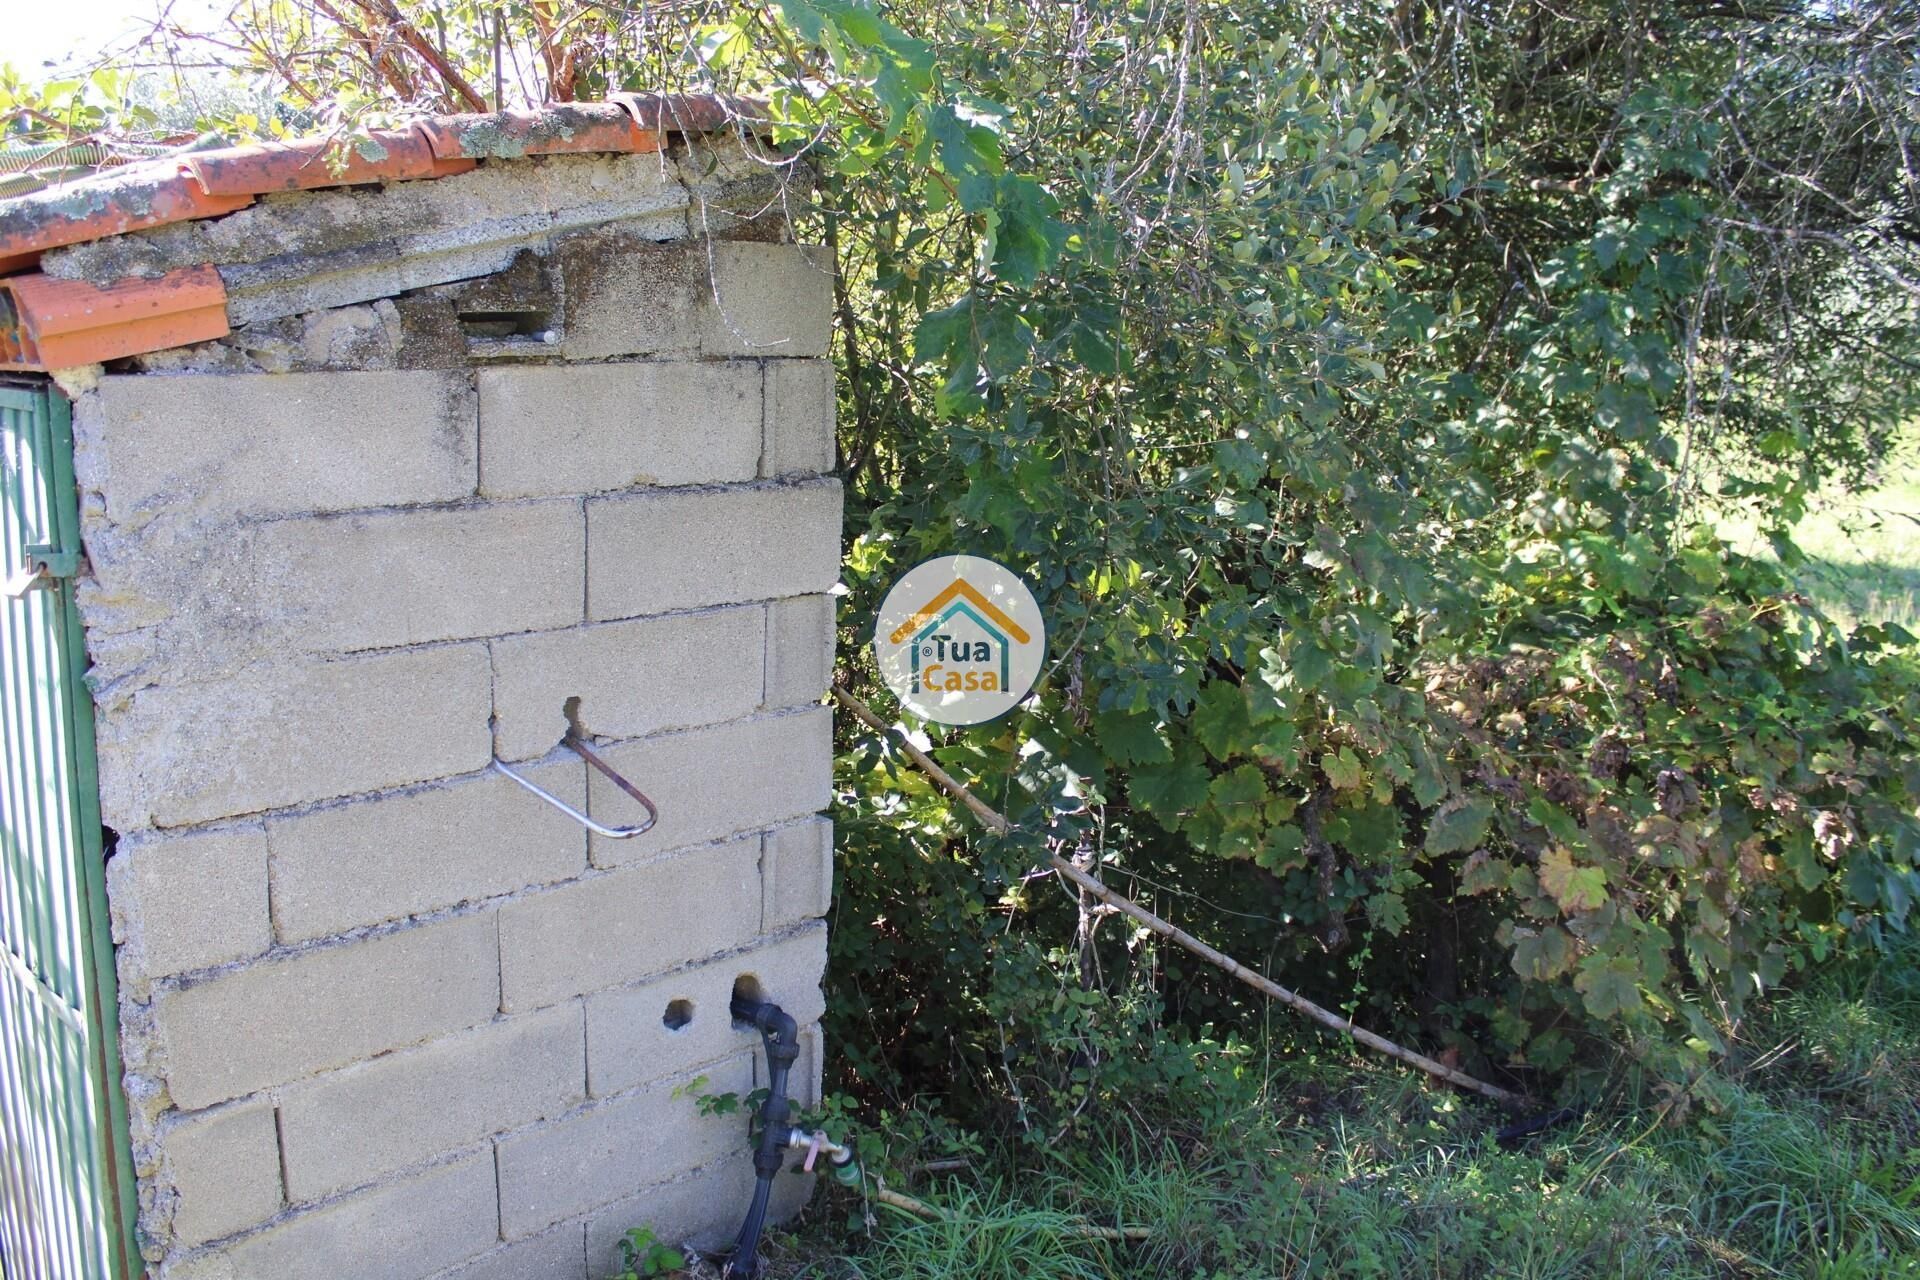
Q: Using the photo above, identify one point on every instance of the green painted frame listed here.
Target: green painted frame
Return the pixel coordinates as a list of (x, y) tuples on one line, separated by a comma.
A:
[(68, 1203)]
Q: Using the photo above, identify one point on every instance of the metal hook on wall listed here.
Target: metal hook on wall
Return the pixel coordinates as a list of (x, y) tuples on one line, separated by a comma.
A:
[(586, 753)]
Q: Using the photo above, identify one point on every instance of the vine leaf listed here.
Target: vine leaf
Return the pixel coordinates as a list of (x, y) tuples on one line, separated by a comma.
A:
[(1459, 826), (1387, 912), (1131, 737), (1284, 849), (1168, 790), (1483, 873), (1342, 768), (1542, 954), (1575, 888), (1610, 987), (1221, 722)]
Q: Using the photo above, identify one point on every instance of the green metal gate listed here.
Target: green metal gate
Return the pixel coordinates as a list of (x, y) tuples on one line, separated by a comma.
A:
[(66, 1177)]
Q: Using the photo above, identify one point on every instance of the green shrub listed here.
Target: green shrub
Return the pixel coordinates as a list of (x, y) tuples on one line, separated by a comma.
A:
[(1391, 647)]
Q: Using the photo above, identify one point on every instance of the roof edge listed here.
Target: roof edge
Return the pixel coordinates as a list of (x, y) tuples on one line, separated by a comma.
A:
[(208, 184)]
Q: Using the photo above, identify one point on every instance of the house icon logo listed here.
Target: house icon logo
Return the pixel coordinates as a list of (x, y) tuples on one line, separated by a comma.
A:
[(960, 640)]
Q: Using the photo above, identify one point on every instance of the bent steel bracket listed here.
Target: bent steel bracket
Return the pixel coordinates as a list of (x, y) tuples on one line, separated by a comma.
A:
[(586, 753)]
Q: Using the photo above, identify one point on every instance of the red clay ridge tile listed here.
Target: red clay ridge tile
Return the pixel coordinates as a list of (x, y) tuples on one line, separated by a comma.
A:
[(207, 184), (686, 113), (505, 135), (121, 200), (382, 156), (46, 323)]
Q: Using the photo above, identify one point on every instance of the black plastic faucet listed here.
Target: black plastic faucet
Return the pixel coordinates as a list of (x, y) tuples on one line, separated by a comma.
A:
[(781, 1037)]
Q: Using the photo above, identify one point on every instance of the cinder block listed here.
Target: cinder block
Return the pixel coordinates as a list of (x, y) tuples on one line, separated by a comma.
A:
[(793, 1189), (272, 444), (800, 642), (287, 733), (803, 1083), (189, 901), (401, 1231), (769, 300), (225, 1169), (381, 580), (281, 1020), (565, 429), (350, 1127), (800, 418), (671, 1025), (369, 861), (601, 1154), (653, 553), (626, 297), (198, 601), (552, 1255), (632, 678), (797, 874), (700, 1211), (713, 783), (637, 921)]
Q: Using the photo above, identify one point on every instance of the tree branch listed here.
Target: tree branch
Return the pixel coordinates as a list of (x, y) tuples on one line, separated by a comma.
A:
[(390, 13), (998, 824)]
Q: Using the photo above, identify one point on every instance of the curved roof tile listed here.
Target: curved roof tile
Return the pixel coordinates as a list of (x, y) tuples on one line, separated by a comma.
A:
[(54, 324), (47, 323), (382, 156)]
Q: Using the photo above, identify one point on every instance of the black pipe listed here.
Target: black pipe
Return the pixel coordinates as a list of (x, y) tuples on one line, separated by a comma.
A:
[(1520, 1130), (781, 1037)]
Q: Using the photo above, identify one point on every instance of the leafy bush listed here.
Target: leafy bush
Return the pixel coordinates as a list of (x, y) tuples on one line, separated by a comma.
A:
[(1349, 384), (1382, 602)]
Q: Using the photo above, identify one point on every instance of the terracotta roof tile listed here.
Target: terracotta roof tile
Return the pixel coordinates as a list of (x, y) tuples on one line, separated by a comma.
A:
[(126, 199), (384, 156), (577, 127), (47, 323), (690, 113), (206, 184)]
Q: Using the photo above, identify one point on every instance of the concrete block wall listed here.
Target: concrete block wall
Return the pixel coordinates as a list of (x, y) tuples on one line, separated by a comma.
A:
[(386, 1015)]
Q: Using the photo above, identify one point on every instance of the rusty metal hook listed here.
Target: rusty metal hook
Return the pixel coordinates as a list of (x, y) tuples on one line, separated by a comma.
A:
[(586, 753)]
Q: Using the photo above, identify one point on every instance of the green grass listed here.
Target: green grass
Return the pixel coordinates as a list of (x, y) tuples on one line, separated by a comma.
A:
[(1806, 1165), (1864, 548)]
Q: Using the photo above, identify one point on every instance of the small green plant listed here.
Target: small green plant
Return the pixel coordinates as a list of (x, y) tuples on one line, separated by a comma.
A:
[(643, 1254), (711, 1104)]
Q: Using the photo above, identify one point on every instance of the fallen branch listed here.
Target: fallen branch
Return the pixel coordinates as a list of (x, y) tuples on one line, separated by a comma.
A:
[(997, 823), (1080, 1230)]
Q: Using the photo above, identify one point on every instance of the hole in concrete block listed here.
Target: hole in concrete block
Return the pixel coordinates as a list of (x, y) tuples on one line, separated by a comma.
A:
[(570, 712), (678, 1016), (747, 987), (497, 325)]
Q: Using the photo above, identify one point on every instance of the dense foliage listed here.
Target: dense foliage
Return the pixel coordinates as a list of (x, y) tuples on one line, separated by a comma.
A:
[(1354, 387), (1352, 438)]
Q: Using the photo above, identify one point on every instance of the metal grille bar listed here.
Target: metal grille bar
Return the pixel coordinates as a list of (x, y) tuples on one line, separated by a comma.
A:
[(66, 1182)]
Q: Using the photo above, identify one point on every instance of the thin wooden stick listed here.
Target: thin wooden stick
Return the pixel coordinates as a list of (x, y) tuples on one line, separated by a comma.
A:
[(997, 823)]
